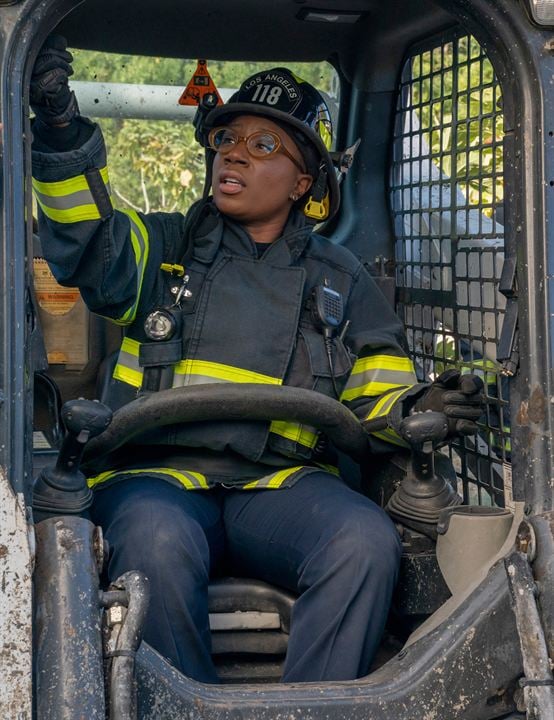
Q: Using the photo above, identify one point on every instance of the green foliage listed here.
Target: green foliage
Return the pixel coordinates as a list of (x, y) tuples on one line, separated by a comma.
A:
[(154, 165), (457, 100), (157, 165)]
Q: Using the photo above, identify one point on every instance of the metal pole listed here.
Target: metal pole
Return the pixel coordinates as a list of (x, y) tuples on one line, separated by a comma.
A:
[(538, 683), (127, 100), (68, 643)]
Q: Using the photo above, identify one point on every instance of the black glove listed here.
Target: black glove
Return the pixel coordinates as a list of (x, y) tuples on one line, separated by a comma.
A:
[(459, 397), (51, 99)]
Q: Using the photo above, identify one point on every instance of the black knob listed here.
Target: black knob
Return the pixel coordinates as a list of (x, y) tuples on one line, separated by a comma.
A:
[(63, 489), (88, 416), (424, 427)]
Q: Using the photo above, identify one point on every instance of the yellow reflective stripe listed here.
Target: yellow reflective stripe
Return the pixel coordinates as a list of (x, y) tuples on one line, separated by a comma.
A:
[(205, 371), (190, 479), (329, 468), (139, 241), (70, 200), (391, 436), (372, 376), (302, 434), (126, 375), (393, 363), (187, 372), (66, 187), (77, 214), (274, 480), (383, 406), (127, 368)]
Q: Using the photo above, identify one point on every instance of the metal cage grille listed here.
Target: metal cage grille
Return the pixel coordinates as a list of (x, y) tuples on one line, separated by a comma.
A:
[(447, 207)]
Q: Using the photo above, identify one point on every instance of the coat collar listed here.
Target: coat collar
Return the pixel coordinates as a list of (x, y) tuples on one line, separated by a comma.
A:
[(213, 230)]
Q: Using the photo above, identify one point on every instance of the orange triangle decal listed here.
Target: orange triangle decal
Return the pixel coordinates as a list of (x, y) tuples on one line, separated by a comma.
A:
[(199, 85)]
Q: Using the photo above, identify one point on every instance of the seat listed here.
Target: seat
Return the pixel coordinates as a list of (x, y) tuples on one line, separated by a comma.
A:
[(250, 625)]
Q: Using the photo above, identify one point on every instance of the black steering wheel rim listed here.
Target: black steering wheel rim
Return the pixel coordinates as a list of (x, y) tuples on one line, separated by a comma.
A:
[(221, 401)]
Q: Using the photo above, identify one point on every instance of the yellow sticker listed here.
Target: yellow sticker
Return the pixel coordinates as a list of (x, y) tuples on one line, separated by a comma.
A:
[(51, 296), (63, 319)]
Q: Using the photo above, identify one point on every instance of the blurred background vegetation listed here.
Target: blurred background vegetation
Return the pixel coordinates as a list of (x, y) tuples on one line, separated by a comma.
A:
[(156, 165), (457, 101), (454, 101)]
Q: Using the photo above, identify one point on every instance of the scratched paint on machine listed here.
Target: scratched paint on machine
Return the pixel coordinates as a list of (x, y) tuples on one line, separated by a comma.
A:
[(15, 606)]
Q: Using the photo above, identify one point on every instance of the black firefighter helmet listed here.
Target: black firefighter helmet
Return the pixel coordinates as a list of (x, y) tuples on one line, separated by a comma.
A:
[(289, 101)]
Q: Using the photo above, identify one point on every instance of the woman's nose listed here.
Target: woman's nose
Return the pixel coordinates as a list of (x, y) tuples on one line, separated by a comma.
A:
[(238, 153)]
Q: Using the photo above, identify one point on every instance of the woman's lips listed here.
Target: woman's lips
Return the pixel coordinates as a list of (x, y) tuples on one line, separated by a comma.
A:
[(230, 184)]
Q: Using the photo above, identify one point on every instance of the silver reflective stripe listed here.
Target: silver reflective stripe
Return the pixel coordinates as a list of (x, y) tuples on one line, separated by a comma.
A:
[(274, 480), (127, 368), (180, 380), (139, 241), (372, 376), (195, 372), (70, 200), (66, 202), (190, 479)]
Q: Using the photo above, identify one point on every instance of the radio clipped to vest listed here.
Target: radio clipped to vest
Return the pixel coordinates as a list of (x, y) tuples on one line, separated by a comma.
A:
[(327, 311)]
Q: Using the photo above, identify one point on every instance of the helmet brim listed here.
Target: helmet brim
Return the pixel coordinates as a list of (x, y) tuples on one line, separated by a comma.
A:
[(223, 113)]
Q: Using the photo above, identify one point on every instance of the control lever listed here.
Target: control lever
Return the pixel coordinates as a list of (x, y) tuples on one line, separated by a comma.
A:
[(62, 489), (423, 493), (424, 431)]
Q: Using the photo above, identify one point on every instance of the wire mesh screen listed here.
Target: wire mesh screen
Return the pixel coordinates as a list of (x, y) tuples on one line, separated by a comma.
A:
[(447, 205)]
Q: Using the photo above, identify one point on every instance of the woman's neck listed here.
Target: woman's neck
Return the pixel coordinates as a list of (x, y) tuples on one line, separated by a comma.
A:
[(265, 233)]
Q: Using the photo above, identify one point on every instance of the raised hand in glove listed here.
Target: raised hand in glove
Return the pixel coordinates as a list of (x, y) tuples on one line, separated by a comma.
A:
[(459, 397), (51, 99)]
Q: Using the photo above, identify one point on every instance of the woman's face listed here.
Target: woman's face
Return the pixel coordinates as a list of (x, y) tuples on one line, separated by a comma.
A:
[(257, 191)]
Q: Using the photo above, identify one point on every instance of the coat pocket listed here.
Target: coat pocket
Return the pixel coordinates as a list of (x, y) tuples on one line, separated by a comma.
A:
[(322, 369), (310, 369)]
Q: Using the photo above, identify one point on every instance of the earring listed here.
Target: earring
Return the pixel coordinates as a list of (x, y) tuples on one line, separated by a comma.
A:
[(293, 197)]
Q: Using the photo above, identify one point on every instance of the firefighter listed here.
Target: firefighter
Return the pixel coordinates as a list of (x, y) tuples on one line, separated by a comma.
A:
[(238, 289)]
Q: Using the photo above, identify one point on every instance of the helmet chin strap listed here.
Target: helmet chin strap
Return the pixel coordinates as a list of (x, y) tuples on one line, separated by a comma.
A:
[(317, 206), (209, 158)]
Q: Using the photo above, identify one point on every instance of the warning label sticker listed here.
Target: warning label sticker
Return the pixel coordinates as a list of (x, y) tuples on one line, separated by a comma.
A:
[(51, 296), (63, 317)]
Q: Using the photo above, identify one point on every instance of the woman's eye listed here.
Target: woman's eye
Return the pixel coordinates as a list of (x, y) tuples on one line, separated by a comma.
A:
[(265, 144), (227, 139)]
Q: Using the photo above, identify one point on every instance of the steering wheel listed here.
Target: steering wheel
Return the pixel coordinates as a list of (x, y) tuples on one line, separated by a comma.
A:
[(220, 401)]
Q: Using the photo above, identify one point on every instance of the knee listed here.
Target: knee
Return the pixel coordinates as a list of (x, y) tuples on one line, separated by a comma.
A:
[(160, 536), (367, 544)]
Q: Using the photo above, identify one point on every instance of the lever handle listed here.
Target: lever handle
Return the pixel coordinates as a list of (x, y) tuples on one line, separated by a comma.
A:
[(423, 428), (423, 431), (62, 489), (83, 420)]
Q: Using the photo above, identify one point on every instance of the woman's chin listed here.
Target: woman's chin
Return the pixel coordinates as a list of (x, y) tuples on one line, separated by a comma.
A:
[(228, 205)]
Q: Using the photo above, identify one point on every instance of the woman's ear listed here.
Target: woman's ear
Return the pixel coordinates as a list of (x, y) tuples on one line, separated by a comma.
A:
[(303, 183)]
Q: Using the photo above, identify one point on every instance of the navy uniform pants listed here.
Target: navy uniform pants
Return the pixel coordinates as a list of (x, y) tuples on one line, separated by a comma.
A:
[(334, 547)]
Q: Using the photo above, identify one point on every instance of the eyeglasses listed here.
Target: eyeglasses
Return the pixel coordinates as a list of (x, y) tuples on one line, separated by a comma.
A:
[(261, 144)]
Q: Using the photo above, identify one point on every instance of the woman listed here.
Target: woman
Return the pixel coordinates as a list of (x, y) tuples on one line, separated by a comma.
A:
[(230, 293)]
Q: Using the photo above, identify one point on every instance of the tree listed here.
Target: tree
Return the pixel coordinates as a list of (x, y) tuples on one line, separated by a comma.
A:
[(158, 165), (457, 99)]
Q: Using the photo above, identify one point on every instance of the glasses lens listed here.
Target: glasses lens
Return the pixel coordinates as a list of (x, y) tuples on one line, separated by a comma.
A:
[(261, 144), (223, 139)]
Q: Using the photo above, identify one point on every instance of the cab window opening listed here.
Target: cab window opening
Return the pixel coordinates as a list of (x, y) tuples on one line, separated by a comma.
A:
[(447, 191)]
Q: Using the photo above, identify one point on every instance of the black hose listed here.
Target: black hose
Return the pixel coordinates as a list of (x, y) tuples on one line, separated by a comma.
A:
[(244, 401), (123, 703)]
